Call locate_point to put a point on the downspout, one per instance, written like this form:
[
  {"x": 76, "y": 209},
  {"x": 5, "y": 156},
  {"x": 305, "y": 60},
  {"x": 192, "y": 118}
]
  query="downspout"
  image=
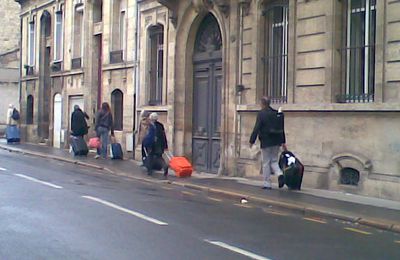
[
  {"x": 136, "y": 80},
  {"x": 20, "y": 65}
]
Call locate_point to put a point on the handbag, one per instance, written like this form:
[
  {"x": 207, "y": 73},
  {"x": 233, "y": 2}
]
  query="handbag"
[{"x": 94, "y": 143}]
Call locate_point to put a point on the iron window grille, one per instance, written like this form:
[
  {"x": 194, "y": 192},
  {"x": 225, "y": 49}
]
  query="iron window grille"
[
  {"x": 275, "y": 59},
  {"x": 358, "y": 55}
]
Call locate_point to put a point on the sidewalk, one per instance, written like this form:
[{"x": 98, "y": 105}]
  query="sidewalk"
[{"x": 378, "y": 213}]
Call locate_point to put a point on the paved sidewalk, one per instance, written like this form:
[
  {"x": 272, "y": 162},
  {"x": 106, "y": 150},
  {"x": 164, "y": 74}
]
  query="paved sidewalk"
[{"x": 379, "y": 213}]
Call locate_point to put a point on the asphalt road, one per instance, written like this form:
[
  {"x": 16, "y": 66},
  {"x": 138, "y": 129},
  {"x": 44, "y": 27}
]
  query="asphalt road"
[{"x": 53, "y": 210}]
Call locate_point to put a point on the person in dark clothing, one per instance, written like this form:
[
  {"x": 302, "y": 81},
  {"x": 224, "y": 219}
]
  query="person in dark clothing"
[
  {"x": 79, "y": 125},
  {"x": 269, "y": 128},
  {"x": 104, "y": 125},
  {"x": 156, "y": 143}
]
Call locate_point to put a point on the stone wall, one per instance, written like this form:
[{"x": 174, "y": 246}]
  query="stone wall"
[{"x": 9, "y": 19}]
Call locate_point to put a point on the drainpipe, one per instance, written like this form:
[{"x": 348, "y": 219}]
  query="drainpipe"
[
  {"x": 136, "y": 80},
  {"x": 20, "y": 65}
]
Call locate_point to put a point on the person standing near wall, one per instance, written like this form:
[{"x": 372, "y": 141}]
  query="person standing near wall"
[
  {"x": 269, "y": 128},
  {"x": 12, "y": 115},
  {"x": 104, "y": 125}
]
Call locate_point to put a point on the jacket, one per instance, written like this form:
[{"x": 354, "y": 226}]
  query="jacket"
[
  {"x": 160, "y": 143},
  {"x": 149, "y": 139},
  {"x": 105, "y": 119},
  {"x": 79, "y": 125},
  {"x": 262, "y": 129}
]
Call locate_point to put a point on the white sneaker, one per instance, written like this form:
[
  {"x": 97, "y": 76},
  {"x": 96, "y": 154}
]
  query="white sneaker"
[{"x": 97, "y": 156}]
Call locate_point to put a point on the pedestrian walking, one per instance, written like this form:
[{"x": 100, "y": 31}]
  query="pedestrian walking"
[
  {"x": 13, "y": 116},
  {"x": 142, "y": 131},
  {"x": 270, "y": 130},
  {"x": 104, "y": 125},
  {"x": 154, "y": 145},
  {"x": 79, "y": 126}
]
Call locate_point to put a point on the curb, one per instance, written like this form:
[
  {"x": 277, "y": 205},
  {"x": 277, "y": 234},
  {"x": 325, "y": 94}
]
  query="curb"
[{"x": 305, "y": 210}]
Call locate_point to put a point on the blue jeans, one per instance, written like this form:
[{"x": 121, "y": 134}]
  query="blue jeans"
[{"x": 102, "y": 132}]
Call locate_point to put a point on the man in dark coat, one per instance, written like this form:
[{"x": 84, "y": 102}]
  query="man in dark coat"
[
  {"x": 79, "y": 125},
  {"x": 269, "y": 128},
  {"x": 156, "y": 134}
]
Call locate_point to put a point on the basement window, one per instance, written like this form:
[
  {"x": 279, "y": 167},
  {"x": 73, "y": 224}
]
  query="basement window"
[{"x": 349, "y": 176}]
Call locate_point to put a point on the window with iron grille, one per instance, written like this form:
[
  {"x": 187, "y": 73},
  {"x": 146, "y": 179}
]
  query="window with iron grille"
[
  {"x": 276, "y": 18},
  {"x": 117, "y": 106},
  {"x": 156, "y": 65},
  {"x": 359, "y": 52}
]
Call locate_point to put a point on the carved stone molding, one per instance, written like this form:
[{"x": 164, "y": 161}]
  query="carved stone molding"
[
  {"x": 245, "y": 5},
  {"x": 206, "y": 5},
  {"x": 172, "y": 6},
  {"x": 202, "y": 5}
]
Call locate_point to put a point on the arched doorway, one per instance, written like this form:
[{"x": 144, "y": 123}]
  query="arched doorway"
[
  {"x": 207, "y": 84},
  {"x": 57, "y": 120},
  {"x": 44, "y": 76}
]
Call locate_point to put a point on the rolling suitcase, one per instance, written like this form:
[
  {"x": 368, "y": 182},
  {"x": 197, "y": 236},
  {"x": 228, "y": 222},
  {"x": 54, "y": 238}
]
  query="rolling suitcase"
[
  {"x": 79, "y": 146},
  {"x": 12, "y": 134},
  {"x": 293, "y": 170},
  {"x": 116, "y": 151},
  {"x": 181, "y": 166}
]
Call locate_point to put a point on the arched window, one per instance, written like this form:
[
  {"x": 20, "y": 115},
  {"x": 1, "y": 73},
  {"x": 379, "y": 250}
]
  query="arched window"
[
  {"x": 156, "y": 64},
  {"x": 117, "y": 106},
  {"x": 29, "y": 110}
]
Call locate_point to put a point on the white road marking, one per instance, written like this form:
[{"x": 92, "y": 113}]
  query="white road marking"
[
  {"x": 133, "y": 213},
  {"x": 237, "y": 250},
  {"x": 3, "y": 169},
  {"x": 39, "y": 181}
]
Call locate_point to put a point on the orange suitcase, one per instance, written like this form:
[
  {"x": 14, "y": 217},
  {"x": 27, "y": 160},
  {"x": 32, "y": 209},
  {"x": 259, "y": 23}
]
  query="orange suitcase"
[{"x": 181, "y": 166}]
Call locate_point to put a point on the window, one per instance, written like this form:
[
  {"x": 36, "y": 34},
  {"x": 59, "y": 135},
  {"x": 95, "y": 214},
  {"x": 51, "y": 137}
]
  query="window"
[
  {"x": 58, "y": 39},
  {"x": 349, "y": 176},
  {"x": 118, "y": 25},
  {"x": 97, "y": 11},
  {"x": 156, "y": 65},
  {"x": 276, "y": 18},
  {"x": 31, "y": 43},
  {"x": 78, "y": 32},
  {"x": 122, "y": 30},
  {"x": 360, "y": 50},
  {"x": 117, "y": 106},
  {"x": 29, "y": 110}
]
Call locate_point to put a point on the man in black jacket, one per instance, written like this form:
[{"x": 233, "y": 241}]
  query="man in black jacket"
[
  {"x": 269, "y": 128},
  {"x": 79, "y": 125}
]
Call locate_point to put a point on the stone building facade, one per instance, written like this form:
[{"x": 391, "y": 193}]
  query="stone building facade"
[
  {"x": 76, "y": 52},
  {"x": 9, "y": 58},
  {"x": 332, "y": 65}
]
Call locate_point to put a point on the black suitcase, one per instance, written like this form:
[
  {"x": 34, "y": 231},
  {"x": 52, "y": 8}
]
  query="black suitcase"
[
  {"x": 293, "y": 173},
  {"x": 79, "y": 146},
  {"x": 116, "y": 152}
]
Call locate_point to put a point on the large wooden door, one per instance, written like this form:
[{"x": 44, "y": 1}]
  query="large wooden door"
[{"x": 207, "y": 67}]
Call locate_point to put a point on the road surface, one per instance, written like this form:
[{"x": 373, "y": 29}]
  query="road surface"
[{"x": 54, "y": 210}]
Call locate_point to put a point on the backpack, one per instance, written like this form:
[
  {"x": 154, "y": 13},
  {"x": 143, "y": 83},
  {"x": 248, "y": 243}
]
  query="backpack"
[
  {"x": 15, "y": 115},
  {"x": 276, "y": 124}
]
